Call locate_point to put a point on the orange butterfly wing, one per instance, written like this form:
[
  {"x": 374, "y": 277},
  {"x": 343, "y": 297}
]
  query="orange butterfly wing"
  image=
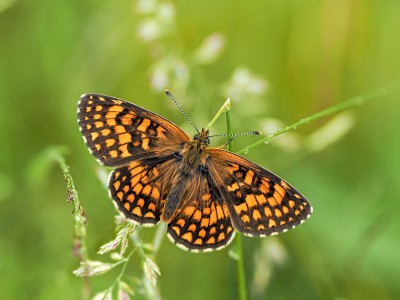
[
  {"x": 137, "y": 191},
  {"x": 260, "y": 203},
  {"x": 118, "y": 132}
]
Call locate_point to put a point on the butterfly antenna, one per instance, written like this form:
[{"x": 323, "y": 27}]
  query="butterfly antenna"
[
  {"x": 180, "y": 108},
  {"x": 237, "y": 134}
]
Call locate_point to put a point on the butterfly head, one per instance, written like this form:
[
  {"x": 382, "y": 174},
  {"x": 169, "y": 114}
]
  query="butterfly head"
[{"x": 201, "y": 139}]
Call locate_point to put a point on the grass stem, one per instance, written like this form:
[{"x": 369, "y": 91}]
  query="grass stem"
[{"x": 352, "y": 102}]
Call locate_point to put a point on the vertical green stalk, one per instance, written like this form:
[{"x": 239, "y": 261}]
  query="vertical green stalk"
[
  {"x": 239, "y": 252},
  {"x": 80, "y": 216},
  {"x": 80, "y": 221}
]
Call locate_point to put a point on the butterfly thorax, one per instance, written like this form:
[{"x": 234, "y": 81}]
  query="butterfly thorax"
[{"x": 194, "y": 153}]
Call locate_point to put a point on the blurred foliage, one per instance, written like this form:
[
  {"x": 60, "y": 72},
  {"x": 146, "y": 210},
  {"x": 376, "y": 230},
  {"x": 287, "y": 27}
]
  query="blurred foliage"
[{"x": 279, "y": 61}]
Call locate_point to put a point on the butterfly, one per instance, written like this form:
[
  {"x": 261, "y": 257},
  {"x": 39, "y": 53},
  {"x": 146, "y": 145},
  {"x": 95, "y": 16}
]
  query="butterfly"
[{"x": 203, "y": 194}]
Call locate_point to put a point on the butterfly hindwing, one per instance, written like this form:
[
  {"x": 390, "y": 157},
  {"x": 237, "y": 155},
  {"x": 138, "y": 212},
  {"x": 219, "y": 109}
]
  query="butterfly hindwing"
[
  {"x": 203, "y": 224},
  {"x": 260, "y": 203},
  {"x": 134, "y": 195},
  {"x": 118, "y": 132},
  {"x": 140, "y": 188}
]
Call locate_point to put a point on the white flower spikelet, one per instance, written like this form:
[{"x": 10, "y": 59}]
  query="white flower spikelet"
[
  {"x": 151, "y": 271},
  {"x": 210, "y": 49},
  {"x": 244, "y": 83},
  {"x": 104, "y": 295},
  {"x": 92, "y": 268},
  {"x": 149, "y": 30}
]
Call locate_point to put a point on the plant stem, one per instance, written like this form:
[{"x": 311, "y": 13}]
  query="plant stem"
[
  {"x": 357, "y": 100},
  {"x": 224, "y": 108},
  {"x": 125, "y": 262},
  {"x": 240, "y": 263},
  {"x": 80, "y": 221},
  {"x": 80, "y": 216}
]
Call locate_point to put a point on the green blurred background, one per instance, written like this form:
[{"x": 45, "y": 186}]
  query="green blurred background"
[{"x": 279, "y": 61}]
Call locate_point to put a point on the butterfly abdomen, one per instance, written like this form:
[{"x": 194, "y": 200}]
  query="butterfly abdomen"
[
  {"x": 178, "y": 190},
  {"x": 192, "y": 163}
]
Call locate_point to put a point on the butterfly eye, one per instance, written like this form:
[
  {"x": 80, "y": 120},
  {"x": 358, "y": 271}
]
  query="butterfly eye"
[
  {"x": 177, "y": 155},
  {"x": 196, "y": 136},
  {"x": 203, "y": 170},
  {"x": 207, "y": 141}
]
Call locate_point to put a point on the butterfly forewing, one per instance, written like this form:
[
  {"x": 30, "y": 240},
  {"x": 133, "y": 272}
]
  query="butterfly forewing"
[{"x": 118, "y": 132}]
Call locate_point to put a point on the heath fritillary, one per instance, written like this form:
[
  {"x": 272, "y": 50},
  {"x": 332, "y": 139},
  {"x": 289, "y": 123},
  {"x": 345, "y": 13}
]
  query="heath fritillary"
[{"x": 203, "y": 194}]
